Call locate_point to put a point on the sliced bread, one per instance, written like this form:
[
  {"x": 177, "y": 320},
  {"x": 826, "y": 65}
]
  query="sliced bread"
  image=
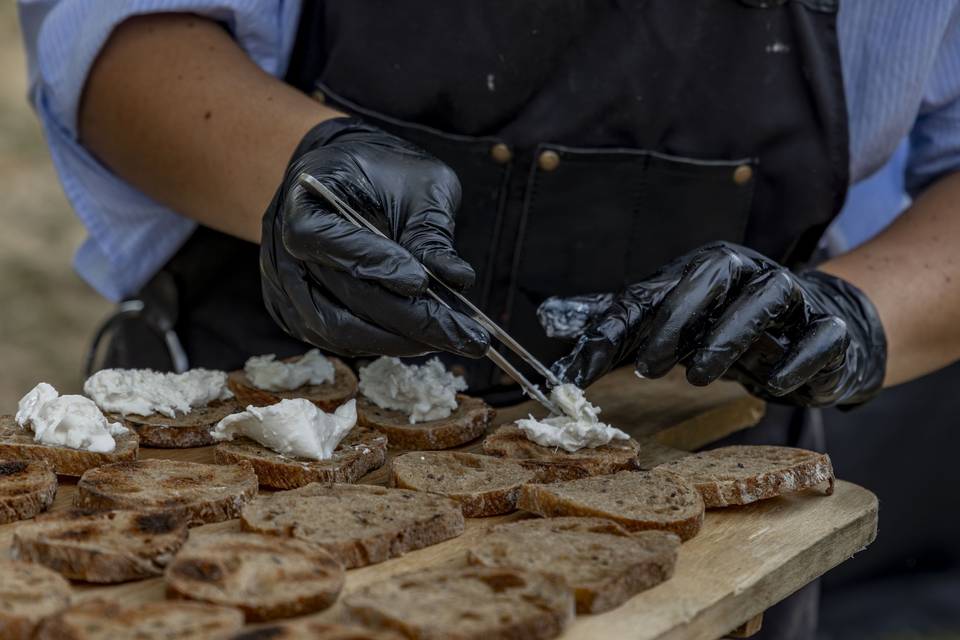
[
  {"x": 266, "y": 577},
  {"x": 361, "y": 451},
  {"x": 743, "y": 474},
  {"x": 468, "y": 422},
  {"x": 475, "y": 603},
  {"x": 182, "y": 431},
  {"x": 310, "y": 629},
  {"x": 26, "y": 489},
  {"x": 557, "y": 465},
  {"x": 101, "y": 546},
  {"x": 637, "y": 500},
  {"x": 18, "y": 444},
  {"x": 327, "y": 396},
  {"x": 358, "y": 524},
  {"x": 603, "y": 563},
  {"x": 482, "y": 485},
  {"x": 198, "y": 492},
  {"x": 29, "y": 593},
  {"x": 99, "y": 620}
]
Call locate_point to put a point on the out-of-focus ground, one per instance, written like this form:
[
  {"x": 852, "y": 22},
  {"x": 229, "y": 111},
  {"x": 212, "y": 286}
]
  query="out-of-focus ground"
[{"x": 47, "y": 312}]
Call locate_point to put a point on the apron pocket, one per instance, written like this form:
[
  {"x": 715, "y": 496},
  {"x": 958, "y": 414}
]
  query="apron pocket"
[
  {"x": 597, "y": 219},
  {"x": 685, "y": 203}
]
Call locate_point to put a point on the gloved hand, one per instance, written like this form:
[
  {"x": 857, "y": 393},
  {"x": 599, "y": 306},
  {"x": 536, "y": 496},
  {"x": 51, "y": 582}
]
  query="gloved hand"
[
  {"x": 345, "y": 289},
  {"x": 724, "y": 310}
]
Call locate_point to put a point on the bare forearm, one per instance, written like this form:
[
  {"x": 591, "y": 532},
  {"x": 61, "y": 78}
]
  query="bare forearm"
[
  {"x": 175, "y": 107},
  {"x": 911, "y": 272}
]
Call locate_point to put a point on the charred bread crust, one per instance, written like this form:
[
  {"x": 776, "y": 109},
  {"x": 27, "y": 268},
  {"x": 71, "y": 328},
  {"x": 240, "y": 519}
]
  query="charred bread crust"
[
  {"x": 27, "y": 487},
  {"x": 266, "y": 577},
  {"x": 359, "y": 524},
  {"x": 482, "y": 485},
  {"x": 468, "y": 422},
  {"x": 361, "y": 451},
  {"x": 636, "y": 500},
  {"x": 471, "y": 602},
  {"x": 327, "y": 396},
  {"x": 182, "y": 431},
  {"x": 557, "y": 465},
  {"x": 603, "y": 563},
  {"x": 743, "y": 474},
  {"x": 200, "y": 493},
  {"x": 17, "y": 444},
  {"x": 101, "y": 546}
]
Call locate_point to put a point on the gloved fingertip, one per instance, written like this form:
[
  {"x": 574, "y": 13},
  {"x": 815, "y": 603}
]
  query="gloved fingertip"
[
  {"x": 650, "y": 370},
  {"x": 475, "y": 344},
  {"x": 698, "y": 377},
  {"x": 454, "y": 271},
  {"x": 701, "y": 371},
  {"x": 408, "y": 282}
]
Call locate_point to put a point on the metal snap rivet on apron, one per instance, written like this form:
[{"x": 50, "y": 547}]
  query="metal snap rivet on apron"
[
  {"x": 319, "y": 96},
  {"x": 501, "y": 153},
  {"x": 743, "y": 174},
  {"x": 548, "y": 160}
]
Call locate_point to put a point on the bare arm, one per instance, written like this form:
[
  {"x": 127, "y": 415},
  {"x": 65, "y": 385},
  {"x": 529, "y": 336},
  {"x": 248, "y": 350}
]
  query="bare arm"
[
  {"x": 911, "y": 272},
  {"x": 176, "y": 108}
]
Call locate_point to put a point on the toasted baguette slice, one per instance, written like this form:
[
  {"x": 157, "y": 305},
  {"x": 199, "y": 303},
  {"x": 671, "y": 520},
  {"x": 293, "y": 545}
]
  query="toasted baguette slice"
[
  {"x": 26, "y": 489},
  {"x": 475, "y": 603},
  {"x": 327, "y": 396},
  {"x": 99, "y": 620},
  {"x": 744, "y": 474},
  {"x": 311, "y": 629},
  {"x": 180, "y": 432},
  {"x": 101, "y": 546},
  {"x": 358, "y": 524},
  {"x": 266, "y": 577},
  {"x": 557, "y": 465},
  {"x": 637, "y": 500},
  {"x": 603, "y": 563},
  {"x": 482, "y": 485},
  {"x": 197, "y": 492},
  {"x": 28, "y": 594},
  {"x": 361, "y": 451},
  {"x": 18, "y": 444},
  {"x": 468, "y": 422}
]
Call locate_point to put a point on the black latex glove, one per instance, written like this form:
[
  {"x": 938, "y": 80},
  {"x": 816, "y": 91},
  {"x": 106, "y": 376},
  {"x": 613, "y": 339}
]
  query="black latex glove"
[
  {"x": 345, "y": 289},
  {"x": 724, "y": 310}
]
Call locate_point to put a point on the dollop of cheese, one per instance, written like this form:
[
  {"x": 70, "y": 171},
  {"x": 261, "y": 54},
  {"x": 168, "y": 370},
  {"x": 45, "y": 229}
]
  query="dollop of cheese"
[
  {"x": 424, "y": 392},
  {"x": 268, "y": 373},
  {"x": 580, "y": 426},
  {"x": 66, "y": 421},
  {"x": 145, "y": 392},
  {"x": 296, "y": 428}
]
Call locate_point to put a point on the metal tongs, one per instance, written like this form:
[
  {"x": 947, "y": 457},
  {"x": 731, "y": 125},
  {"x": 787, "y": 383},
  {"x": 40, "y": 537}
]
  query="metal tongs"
[{"x": 317, "y": 188}]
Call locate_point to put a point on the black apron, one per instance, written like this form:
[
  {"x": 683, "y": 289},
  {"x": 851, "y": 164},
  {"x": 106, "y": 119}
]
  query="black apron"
[{"x": 594, "y": 141}]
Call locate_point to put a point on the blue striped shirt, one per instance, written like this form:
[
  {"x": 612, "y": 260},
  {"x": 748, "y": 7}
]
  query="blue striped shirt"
[{"x": 901, "y": 69}]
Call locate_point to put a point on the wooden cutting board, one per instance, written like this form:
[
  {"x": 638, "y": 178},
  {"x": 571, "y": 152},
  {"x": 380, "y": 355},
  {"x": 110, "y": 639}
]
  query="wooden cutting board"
[{"x": 743, "y": 561}]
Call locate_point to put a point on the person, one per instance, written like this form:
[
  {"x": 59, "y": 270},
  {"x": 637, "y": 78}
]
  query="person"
[{"x": 684, "y": 157}]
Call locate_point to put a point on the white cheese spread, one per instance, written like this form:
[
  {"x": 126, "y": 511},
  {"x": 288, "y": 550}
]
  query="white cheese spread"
[
  {"x": 270, "y": 374},
  {"x": 296, "y": 428},
  {"x": 423, "y": 392},
  {"x": 580, "y": 426},
  {"x": 66, "y": 421},
  {"x": 146, "y": 392}
]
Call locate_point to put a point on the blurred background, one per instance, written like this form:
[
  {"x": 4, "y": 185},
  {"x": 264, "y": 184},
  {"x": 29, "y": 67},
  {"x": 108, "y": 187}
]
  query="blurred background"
[{"x": 48, "y": 313}]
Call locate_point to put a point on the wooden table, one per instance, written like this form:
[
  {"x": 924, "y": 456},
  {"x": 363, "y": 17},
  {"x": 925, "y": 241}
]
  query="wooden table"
[{"x": 744, "y": 560}]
